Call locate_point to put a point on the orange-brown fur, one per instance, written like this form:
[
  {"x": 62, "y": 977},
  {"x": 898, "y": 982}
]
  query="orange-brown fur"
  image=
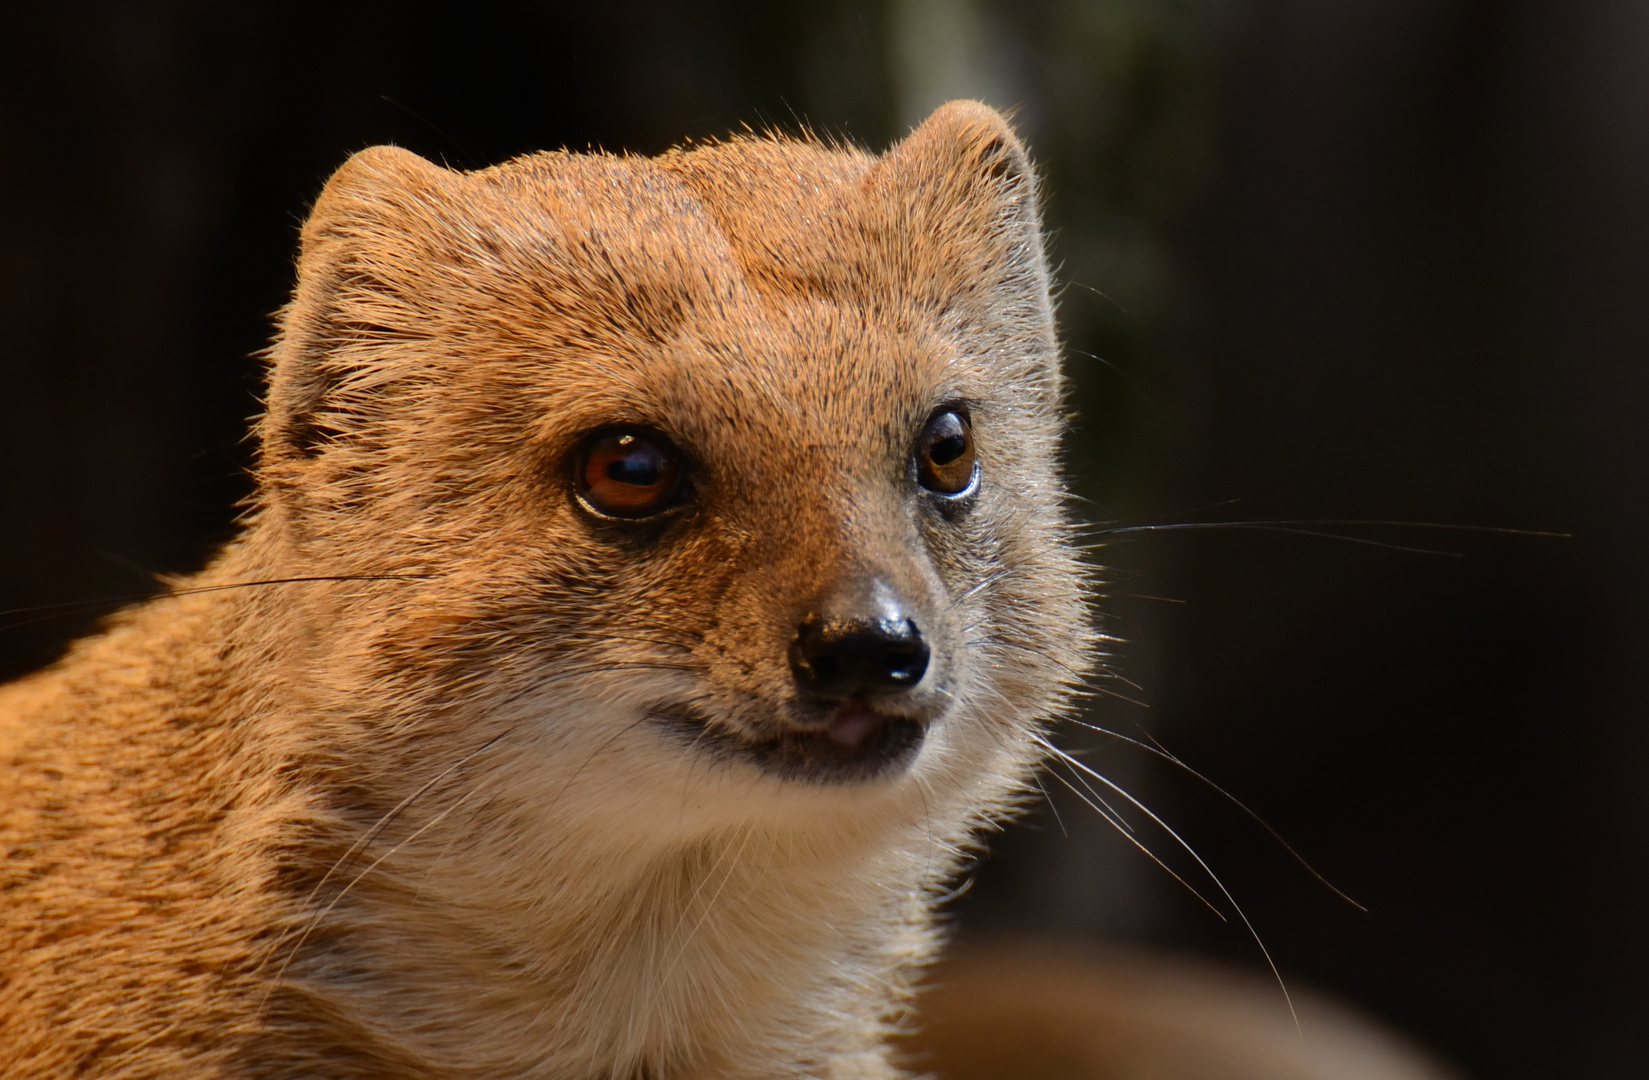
[{"x": 399, "y": 812}]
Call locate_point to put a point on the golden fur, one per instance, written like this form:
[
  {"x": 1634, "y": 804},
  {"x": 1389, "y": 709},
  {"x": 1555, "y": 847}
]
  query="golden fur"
[{"x": 401, "y": 812}]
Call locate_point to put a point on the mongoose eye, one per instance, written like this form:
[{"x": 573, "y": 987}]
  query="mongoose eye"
[
  {"x": 944, "y": 454},
  {"x": 627, "y": 474}
]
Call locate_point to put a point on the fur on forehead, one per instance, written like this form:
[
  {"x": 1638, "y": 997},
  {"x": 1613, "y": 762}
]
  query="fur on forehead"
[{"x": 417, "y": 282}]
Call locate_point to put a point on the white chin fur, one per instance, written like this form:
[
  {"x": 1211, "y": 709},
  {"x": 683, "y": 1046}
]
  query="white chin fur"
[{"x": 599, "y": 761}]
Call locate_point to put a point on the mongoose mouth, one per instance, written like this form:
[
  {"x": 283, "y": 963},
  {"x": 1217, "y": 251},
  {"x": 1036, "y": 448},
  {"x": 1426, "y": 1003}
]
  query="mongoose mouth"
[{"x": 852, "y": 743}]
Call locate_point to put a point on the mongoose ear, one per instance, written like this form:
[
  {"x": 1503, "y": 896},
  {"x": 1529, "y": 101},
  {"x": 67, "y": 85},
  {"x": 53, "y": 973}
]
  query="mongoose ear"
[
  {"x": 963, "y": 176},
  {"x": 364, "y": 254},
  {"x": 967, "y": 146},
  {"x": 965, "y": 191}
]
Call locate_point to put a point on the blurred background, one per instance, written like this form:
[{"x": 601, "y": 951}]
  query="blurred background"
[{"x": 1321, "y": 259}]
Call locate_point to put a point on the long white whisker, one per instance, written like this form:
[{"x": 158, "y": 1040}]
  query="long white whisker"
[
  {"x": 710, "y": 905},
  {"x": 1068, "y": 758},
  {"x": 1159, "y": 751},
  {"x": 1127, "y": 834},
  {"x": 358, "y": 878},
  {"x": 1049, "y": 799},
  {"x": 361, "y": 844},
  {"x": 1189, "y": 850}
]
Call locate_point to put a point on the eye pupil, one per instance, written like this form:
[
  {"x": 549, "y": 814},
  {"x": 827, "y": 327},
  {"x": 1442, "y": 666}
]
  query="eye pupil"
[
  {"x": 948, "y": 450},
  {"x": 945, "y": 454},
  {"x": 636, "y": 471}
]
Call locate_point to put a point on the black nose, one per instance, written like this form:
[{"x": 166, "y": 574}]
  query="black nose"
[{"x": 839, "y": 657}]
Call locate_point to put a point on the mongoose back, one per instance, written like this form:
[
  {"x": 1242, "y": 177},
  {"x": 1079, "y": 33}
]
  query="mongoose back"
[{"x": 657, "y": 574}]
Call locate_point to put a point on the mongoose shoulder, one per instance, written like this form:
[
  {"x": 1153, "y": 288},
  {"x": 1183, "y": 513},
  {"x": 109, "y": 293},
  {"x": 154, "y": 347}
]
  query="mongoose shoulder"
[{"x": 657, "y": 574}]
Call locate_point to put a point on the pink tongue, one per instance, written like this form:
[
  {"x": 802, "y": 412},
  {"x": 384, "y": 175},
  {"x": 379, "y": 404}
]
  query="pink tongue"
[{"x": 852, "y": 725}]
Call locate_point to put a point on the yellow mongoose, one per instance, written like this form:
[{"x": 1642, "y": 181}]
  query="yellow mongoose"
[{"x": 657, "y": 573}]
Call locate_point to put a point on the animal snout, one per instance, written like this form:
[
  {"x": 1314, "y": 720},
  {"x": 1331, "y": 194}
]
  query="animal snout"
[{"x": 839, "y": 657}]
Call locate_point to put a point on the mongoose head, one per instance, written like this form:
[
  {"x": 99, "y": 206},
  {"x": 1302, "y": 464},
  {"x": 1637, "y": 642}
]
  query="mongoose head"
[{"x": 728, "y": 477}]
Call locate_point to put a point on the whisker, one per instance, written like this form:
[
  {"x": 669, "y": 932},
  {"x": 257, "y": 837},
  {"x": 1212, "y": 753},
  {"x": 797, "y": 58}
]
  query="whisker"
[
  {"x": 988, "y": 580},
  {"x": 1243, "y": 526},
  {"x": 1093, "y": 688},
  {"x": 1111, "y": 673},
  {"x": 1313, "y": 527},
  {"x": 1036, "y": 778},
  {"x": 74, "y": 607},
  {"x": 1109, "y": 812},
  {"x": 692, "y": 755},
  {"x": 1123, "y": 375},
  {"x": 1189, "y": 850},
  {"x": 1102, "y": 296},
  {"x": 64, "y": 611},
  {"x": 1379, "y": 523},
  {"x": 1157, "y": 750},
  {"x": 710, "y": 906},
  {"x": 928, "y": 875},
  {"x": 359, "y": 845},
  {"x": 358, "y": 878},
  {"x": 1126, "y": 833},
  {"x": 614, "y": 737}
]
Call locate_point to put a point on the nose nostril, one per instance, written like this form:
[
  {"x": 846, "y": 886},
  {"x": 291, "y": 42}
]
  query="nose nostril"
[
  {"x": 905, "y": 664},
  {"x": 823, "y": 667},
  {"x": 837, "y": 658}
]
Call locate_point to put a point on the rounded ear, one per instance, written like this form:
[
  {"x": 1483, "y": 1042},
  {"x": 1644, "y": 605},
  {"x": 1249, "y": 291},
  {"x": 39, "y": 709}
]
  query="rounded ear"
[
  {"x": 357, "y": 270},
  {"x": 972, "y": 146},
  {"x": 963, "y": 192}
]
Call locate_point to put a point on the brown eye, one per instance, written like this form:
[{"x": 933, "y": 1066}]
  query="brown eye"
[
  {"x": 627, "y": 474},
  {"x": 944, "y": 454}
]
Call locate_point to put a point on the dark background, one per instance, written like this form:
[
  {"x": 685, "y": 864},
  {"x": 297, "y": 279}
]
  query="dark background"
[{"x": 1359, "y": 259}]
